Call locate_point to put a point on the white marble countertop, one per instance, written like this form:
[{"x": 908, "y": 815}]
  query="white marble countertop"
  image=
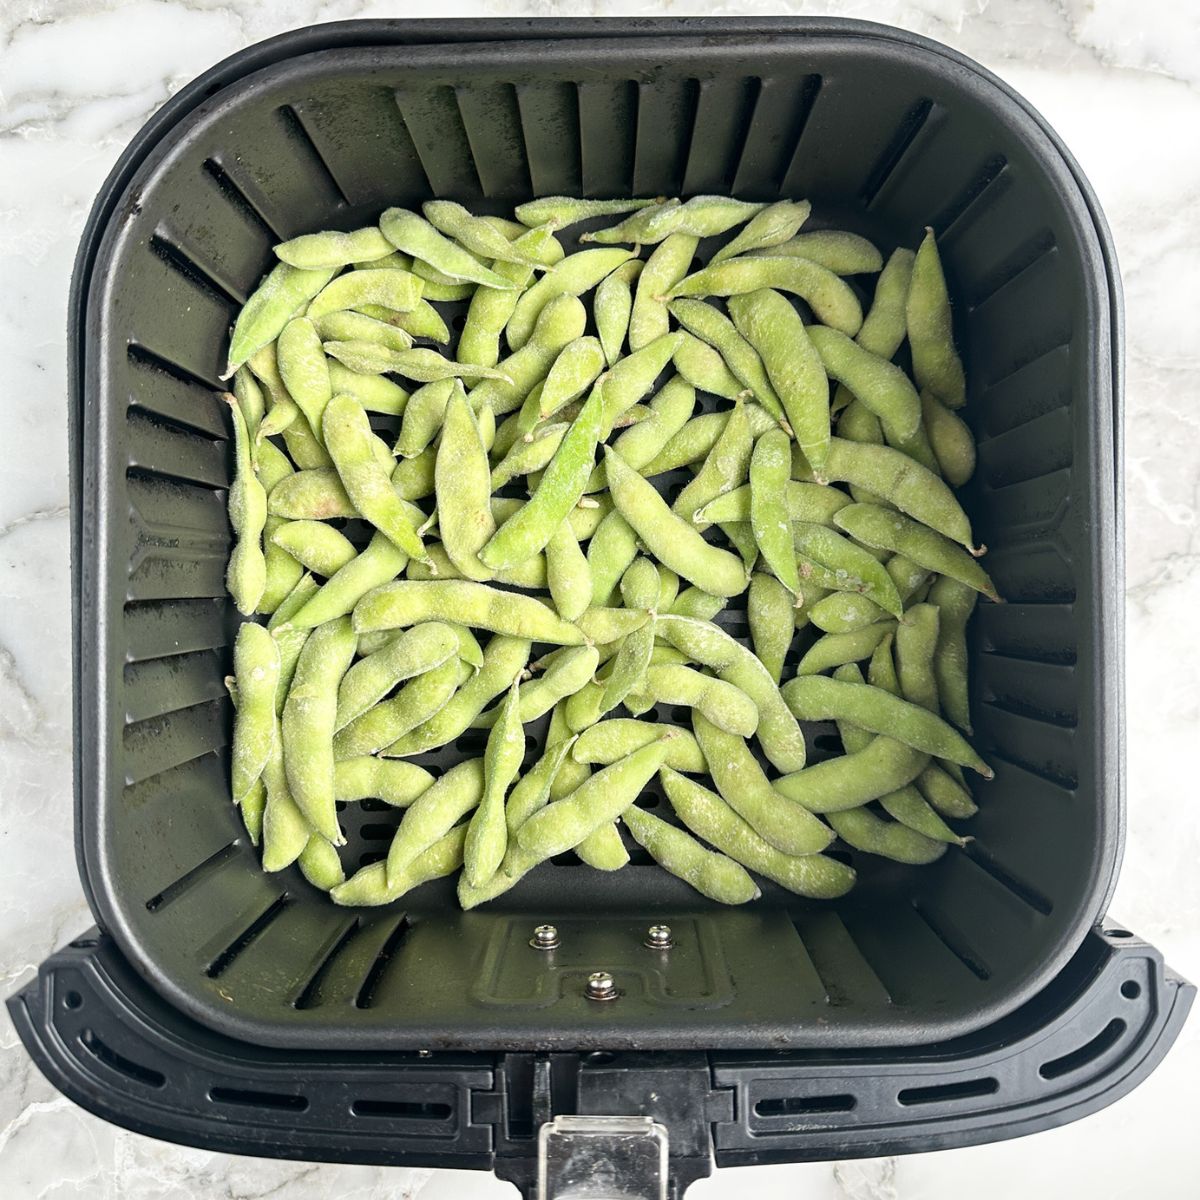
[{"x": 1120, "y": 80}]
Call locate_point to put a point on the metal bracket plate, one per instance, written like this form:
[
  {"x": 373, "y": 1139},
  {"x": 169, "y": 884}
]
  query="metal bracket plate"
[{"x": 602, "y": 1158}]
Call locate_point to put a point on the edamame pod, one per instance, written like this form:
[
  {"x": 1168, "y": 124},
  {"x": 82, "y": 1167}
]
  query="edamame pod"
[
  {"x": 955, "y": 602},
  {"x": 273, "y": 303},
  {"x": 372, "y": 885},
  {"x": 664, "y": 268},
  {"x": 256, "y": 670},
  {"x": 773, "y": 226},
  {"x": 367, "y": 777},
  {"x": 770, "y": 466},
  {"x": 836, "y": 250},
  {"x": 412, "y": 234},
  {"x": 462, "y": 485},
  {"x": 332, "y": 249},
  {"x": 246, "y": 574},
  {"x": 487, "y": 834},
  {"x": 712, "y": 874},
  {"x": 769, "y": 608},
  {"x": 608, "y": 741},
  {"x": 846, "y": 782},
  {"x": 936, "y": 364},
  {"x": 576, "y": 274},
  {"x": 612, "y": 306},
  {"x": 314, "y": 545}
]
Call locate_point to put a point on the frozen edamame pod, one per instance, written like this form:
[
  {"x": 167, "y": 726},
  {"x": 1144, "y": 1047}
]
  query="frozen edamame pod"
[
  {"x": 851, "y": 780},
  {"x": 610, "y": 551},
  {"x": 816, "y": 698},
  {"x": 372, "y": 885},
  {"x": 950, "y": 439},
  {"x": 726, "y": 706},
  {"x": 576, "y": 368},
  {"x": 562, "y": 211},
  {"x": 625, "y": 383},
  {"x": 304, "y": 369},
  {"x": 568, "y": 670},
  {"x": 915, "y": 639},
  {"x": 773, "y": 327},
  {"x": 269, "y": 309},
  {"x": 379, "y": 562},
  {"x": 412, "y": 234},
  {"x": 423, "y": 416},
  {"x": 710, "y": 818},
  {"x": 769, "y": 469},
  {"x": 812, "y": 502},
  {"x": 315, "y": 546},
  {"x": 745, "y": 788},
  {"x": 367, "y": 483},
  {"x": 774, "y": 225},
  {"x": 285, "y": 829},
  {"x": 600, "y": 799},
  {"x": 320, "y": 865},
  {"x": 568, "y": 575},
  {"x": 664, "y": 268},
  {"x": 845, "y": 612},
  {"x": 726, "y": 466},
  {"x": 701, "y": 216},
  {"x": 256, "y": 670},
  {"x": 366, "y": 777},
  {"x": 670, "y": 539},
  {"x": 836, "y": 250},
  {"x": 398, "y": 291},
  {"x": 936, "y": 364},
  {"x": 473, "y": 233},
  {"x": 531, "y": 454},
  {"x": 834, "y": 649},
  {"x": 246, "y": 574},
  {"x": 309, "y": 715},
  {"x": 955, "y": 602},
  {"x": 712, "y": 874},
  {"x": 853, "y": 568},
  {"x": 603, "y": 849},
  {"x": 435, "y": 813},
  {"x": 863, "y": 830},
  {"x": 487, "y": 834},
  {"x": 608, "y": 741},
  {"x": 612, "y": 306},
  {"x": 332, "y": 249},
  {"x": 830, "y": 298},
  {"x": 531, "y": 574},
  {"x": 419, "y": 363},
  {"x": 373, "y": 392},
  {"x": 576, "y": 274},
  {"x": 769, "y": 610},
  {"x": 885, "y": 530},
  {"x": 704, "y": 368}
]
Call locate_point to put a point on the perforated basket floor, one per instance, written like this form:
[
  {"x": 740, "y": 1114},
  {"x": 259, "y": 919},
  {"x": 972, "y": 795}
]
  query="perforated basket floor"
[{"x": 885, "y": 135}]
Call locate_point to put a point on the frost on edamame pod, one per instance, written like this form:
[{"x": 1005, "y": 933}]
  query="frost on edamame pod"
[
  {"x": 576, "y": 274},
  {"x": 304, "y": 369},
  {"x": 950, "y": 438},
  {"x": 701, "y": 216},
  {"x": 710, "y": 818},
  {"x": 665, "y": 267},
  {"x": 412, "y": 234},
  {"x": 915, "y": 639},
  {"x": 862, "y": 830},
  {"x": 562, "y": 211},
  {"x": 576, "y": 368},
  {"x": 816, "y": 698},
  {"x": 568, "y": 575},
  {"x": 315, "y": 546},
  {"x": 955, "y": 602},
  {"x": 770, "y": 466},
  {"x": 769, "y": 608},
  {"x": 804, "y": 502},
  {"x": 834, "y": 649},
  {"x": 269, "y": 309},
  {"x": 670, "y": 539},
  {"x": 612, "y": 306},
  {"x": 568, "y": 670},
  {"x": 884, "y": 327},
  {"x": 704, "y": 368},
  {"x": 419, "y": 363},
  {"x": 712, "y": 874},
  {"x": 309, "y": 715},
  {"x": 845, "y": 612},
  {"x": 530, "y": 455},
  {"x": 423, "y": 416},
  {"x": 854, "y": 779},
  {"x": 397, "y": 291},
  {"x": 831, "y": 299},
  {"x": 608, "y": 741},
  {"x": 624, "y": 384},
  {"x": 320, "y": 865},
  {"x": 726, "y": 706},
  {"x": 285, "y": 829},
  {"x": 380, "y": 561},
  {"x": 435, "y": 813},
  {"x": 726, "y": 466},
  {"x": 836, "y": 250},
  {"x": 373, "y": 392},
  {"x": 372, "y": 884},
  {"x": 852, "y": 568},
  {"x": 473, "y": 233}
]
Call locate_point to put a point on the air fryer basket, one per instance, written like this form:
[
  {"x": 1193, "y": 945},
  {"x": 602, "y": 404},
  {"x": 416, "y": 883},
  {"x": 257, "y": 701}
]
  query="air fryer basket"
[{"x": 884, "y": 135}]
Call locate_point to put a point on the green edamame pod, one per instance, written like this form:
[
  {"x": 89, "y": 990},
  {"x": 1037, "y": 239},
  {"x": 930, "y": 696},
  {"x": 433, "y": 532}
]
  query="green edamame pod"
[
  {"x": 417, "y": 702},
  {"x": 816, "y": 698},
  {"x": 712, "y": 874},
  {"x": 561, "y": 211},
  {"x": 283, "y": 572},
  {"x": 950, "y": 438},
  {"x": 603, "y": 849},
  {"x": 250, "y": 400},
  {"x": 246, "y": 574},
  {"x": 945, "y": 793},
  {"x": 307, "y": 727},
  {"x": 556, "y": 494},
  {"x": 315, "y": 546},
  {"x": 858, "y": 423},
  {"x": 881, "y": 672},
  {"x": 725, "y": 705},
  {"x": 769, "y": 469},
  {"x": 834, "y": 649},
  {"x": 608, "y": 741},
  {"x": 435, "y": 812},
  {"x": 726, "y": 466},
  {"x": 373, "y": 392},
  {"x": 836, "y": 250},
  {"x": 696, "y": 602},
  {"x": 412, "y": 234},
  {"x": 884, "y": 327},
  {"x": 407, "y": 602},
  {"x": 388, "y": 288},
  {"x": 599, "y": 800},
  {"x": 288, "y": 637},
  {"x": 769, "y": 608},
  {"x": 845, "y": 612},
  {"x": 741, "y": 782},
  {"x": 530, "y": 455},
  {"x": 423, "y": 416},
  {"x": 885, "y": 530},
  {"x": 331, "y": 250},
  {"x": 422, "y": 320},
  {"x": 503, "y": 660},
  {"x": 462, "y": 486},
  {"x": 863, "y": 830},
  {"x": 813, "y": 502},
  {"x": 832, "y": 301},
  {"x": 285, "y": 829},
  {"x": 256, "y": 670},
  {"x": 473, "y": 233},
  {"x": 372, "y": 885},
  {"x": 853, "y": 567},
  {"x": 612, "y": 306},
  {"x": 664, "y": 268},
  {"x": 269, "y": 309},
  {"x": 936, "y": 364},
  {"x": 916, "y": 637},
  {"x": 697, "y": 437},
  {"x": 576, "y": 368},
  {"x": 413, "y": 652},
  {"x": 252, "y": 807},
  {"x": 955, "y": 602},
  {"x": 710, "y": 818},
  {"x": 773, "y": 327},
  {"x": 568, "y": 575},
  {"x": 566, "y": 672},
  {"x": 625, "y": 383},
  {"x": 367, "y": 777},
  {"x": 670, "y": 539},
  {"x": 487, "y": 834},
  {"x": 612, "y": 548},
  {"x": 773, "y": 226},
  {"x": 320, "y": 865},
  {"x": 304, "y": 369},
  {"x": 378, "y": 562},
  {"x": 670, "y": 410},
  {"x": 778, "y": 733},
  {"x": 838, "y": 784},
  {"x": 704, "y": 368},
  {"x": 701, "y": 216}
]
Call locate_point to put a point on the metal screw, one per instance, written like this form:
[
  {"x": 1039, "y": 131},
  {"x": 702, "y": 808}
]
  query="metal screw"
[
  {"x": 424, "y": 1053},
  {"x": 545, "y": 937},
  {"x": 601, "y": 986},
  {"x": 658, "y": 937}
]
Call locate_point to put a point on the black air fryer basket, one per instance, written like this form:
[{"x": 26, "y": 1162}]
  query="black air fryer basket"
[{"x": 975, "y": 999}]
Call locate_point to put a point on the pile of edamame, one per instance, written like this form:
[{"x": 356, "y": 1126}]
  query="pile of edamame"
[{"x": 527, "y": 558}]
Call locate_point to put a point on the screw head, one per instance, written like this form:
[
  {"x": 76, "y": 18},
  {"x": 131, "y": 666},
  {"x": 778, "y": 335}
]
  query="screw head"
[
  {"x": 424, "y": 1053},
  {"x": 658, "y": 937},
  {"x": 545, "y": 937},
  {"x": 601, "y": 986}
]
